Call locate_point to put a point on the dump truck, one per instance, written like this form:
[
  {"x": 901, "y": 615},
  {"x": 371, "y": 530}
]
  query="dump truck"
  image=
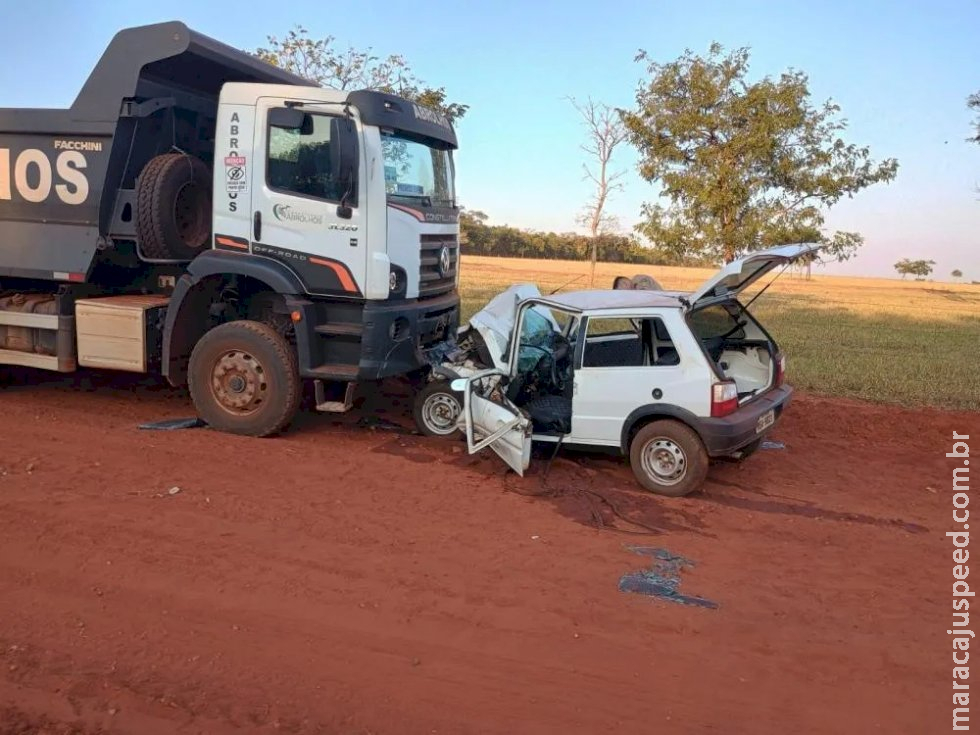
[{"x": 200, "y": 214}]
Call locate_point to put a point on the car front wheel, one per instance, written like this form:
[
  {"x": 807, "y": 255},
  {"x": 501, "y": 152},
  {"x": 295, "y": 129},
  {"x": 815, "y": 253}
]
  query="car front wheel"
[
  {"x": 437, "y": 409},
  {"x": 669, "y": 458}
]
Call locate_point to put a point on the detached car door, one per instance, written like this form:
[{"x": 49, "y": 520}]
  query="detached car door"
[{"x": 493, "y": 421}]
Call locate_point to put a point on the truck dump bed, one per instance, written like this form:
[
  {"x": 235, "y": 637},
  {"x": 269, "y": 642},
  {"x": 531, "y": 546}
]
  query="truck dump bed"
[{"x": 67, "y": 176}]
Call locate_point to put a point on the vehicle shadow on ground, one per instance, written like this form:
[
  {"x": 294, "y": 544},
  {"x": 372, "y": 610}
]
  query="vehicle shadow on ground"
[
  {"x": 597, "y": 490},
  {"x": 83, "y": 380},
  {"x": 590, "y": 488},
  {"x": 759, "y": 501}
]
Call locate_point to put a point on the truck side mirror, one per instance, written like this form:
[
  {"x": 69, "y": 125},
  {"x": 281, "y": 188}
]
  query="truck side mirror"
[{"x": 343, "y": 158}]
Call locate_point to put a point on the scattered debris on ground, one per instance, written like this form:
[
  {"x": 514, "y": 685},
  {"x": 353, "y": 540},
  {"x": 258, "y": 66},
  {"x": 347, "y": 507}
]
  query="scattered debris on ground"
[
  {"x": 662, "y": 579},
  {"x": 173, "y": 424}
]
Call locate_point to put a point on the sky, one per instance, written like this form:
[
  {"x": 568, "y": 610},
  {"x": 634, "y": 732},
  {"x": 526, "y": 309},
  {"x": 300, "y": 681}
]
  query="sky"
[{"x": 900, "y": 70}]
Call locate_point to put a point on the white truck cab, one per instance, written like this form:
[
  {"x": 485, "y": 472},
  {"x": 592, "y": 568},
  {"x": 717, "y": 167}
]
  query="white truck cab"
[
  {"x": 204, "y": 215},
  {"x": 671, "y": 379}
]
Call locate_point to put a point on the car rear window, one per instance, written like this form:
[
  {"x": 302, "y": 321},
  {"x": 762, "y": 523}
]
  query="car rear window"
[{"x": 714, "y": 321}]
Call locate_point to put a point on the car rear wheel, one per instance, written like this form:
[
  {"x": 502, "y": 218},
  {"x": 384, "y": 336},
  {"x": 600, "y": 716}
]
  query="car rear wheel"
[{"x": 669, "y": 458}]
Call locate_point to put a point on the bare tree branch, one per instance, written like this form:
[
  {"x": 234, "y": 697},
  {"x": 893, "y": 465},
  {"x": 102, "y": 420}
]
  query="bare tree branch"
[{"x": 604, "y": 132}]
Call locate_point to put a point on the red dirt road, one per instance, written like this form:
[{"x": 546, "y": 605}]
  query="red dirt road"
[{"x": 347, "y": 578}]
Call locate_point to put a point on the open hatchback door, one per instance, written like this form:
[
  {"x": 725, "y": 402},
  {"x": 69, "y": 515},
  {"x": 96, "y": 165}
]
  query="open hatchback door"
[
  {"x": 743, "y": 272},
  {"x": 494, "y": 421}
]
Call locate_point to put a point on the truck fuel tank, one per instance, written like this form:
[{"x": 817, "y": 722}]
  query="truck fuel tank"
[{"x": 25, "y": 338}]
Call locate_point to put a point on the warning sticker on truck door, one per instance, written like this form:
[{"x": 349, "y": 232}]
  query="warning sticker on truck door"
[{"x": 235, "y": 179}]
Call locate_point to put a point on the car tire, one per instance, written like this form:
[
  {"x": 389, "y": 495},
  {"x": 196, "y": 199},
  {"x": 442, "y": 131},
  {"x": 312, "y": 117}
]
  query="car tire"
[
  {"x": 436, "y": 409},
  {"x": 173, "y": 207},
  {"x": 243, "y": 379},
  {"x": 669, "y": 458}
]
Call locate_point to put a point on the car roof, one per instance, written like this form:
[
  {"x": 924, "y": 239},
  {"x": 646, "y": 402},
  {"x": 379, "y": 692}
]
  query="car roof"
[{"x": 608, "y": 299}]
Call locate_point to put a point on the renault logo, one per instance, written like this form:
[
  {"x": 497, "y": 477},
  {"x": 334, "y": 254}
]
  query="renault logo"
[{"x": 444, "y": 263}]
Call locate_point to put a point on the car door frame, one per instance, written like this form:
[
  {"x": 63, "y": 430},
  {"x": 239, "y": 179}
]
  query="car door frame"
[
  {"x": 511, "y": 438},
  {"x": 685, "y": 366}
]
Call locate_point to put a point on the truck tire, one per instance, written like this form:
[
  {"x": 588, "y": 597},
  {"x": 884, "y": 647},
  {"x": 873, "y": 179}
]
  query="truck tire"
[
  {"x": 669, "y": 458},
  {"x": 173, "y": 207},
  {"x": 244, "y": 380},
  {"x": 436, "y": 408}
]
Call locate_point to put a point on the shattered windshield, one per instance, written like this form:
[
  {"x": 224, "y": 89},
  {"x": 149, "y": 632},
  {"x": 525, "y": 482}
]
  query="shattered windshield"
[{"x": 537, "y": 338}]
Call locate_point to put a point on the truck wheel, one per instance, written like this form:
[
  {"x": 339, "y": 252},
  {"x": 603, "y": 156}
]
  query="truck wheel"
[
  {"x": 436, "y": 409},
  {"x": 173, "y": 207},
  {"x": 244, "y": 380},
  {"x": 669, "y": 458}
]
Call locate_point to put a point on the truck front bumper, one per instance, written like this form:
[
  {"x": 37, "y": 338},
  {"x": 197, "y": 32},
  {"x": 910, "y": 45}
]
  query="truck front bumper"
[
  {"x": 725, "y": 436},
  {"x": 395, "y": 333}
]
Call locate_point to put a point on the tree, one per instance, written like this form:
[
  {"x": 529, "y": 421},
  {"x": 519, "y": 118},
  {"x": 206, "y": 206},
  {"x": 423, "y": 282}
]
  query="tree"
[
  {"x": 320, "y": 61},
  {"x": 957, "y": 274},
  {"x": 742, "y": 164},
  {"x": 604, "y": 130},
  {"x": 920, "y": 268},
  {"x": 973, "y": 102}
]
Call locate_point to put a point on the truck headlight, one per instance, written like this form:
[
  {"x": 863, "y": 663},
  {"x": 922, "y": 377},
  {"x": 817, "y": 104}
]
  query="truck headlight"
[{"x": 397, "y": 282}]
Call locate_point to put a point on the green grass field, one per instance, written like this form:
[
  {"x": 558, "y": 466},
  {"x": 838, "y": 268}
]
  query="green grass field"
[{"x": 891, "y": 341}]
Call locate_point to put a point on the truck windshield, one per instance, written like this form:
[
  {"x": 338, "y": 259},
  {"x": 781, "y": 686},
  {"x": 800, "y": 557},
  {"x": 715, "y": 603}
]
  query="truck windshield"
[{"x": 415, "y": 170}]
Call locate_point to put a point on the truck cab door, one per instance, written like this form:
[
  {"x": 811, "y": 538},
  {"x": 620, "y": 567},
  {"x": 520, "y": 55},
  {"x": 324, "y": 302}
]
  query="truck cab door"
[
  {"x": 497, "y": 424},
  {"x": 309, "y": 194}
]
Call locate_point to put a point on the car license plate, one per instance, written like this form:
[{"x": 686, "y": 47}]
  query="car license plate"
[{"x": 765, "y": 421}]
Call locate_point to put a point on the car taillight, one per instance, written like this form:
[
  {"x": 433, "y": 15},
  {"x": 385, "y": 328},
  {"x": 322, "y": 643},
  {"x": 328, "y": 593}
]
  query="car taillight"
[
  {"x": 724, "y": 399},
  {"x": 780, "y": 369}
]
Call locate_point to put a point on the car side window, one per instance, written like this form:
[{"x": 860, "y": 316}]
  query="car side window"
[
  {"x": 618, "y": 342},
  {"x": 612, "y": 342},
  {"x": 662, "y": 346},
  {"x": 300, "y": 161}
]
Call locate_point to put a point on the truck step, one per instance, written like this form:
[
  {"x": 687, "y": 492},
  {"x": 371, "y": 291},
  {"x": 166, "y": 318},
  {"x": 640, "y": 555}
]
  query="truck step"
[
  {"x": 334, "y": 371},
  {"x": 344, "y": 396},
  {"x": 340, "y": 329}
]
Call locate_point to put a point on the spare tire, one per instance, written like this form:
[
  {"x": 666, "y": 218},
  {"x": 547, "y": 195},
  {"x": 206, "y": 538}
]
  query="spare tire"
[
  {"x": 643, "y": 282},
  {"x": 173, "y": 207}
]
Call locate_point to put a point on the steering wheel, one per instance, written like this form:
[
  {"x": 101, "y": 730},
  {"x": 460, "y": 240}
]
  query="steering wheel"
[{"x": 547, "y": 359}]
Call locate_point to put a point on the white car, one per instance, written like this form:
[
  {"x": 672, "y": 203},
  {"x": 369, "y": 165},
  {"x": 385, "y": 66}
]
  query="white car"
[{"x": 670, "y": 379}]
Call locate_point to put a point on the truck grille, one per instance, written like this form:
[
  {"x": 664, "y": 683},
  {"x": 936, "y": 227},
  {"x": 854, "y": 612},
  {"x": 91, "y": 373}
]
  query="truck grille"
[{"x": 433, "y": 279}]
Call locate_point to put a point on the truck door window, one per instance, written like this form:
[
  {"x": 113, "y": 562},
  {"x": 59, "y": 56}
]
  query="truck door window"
[{"x": 300, "y": 160}]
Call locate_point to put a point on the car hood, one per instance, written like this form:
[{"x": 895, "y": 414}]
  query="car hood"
[
  {"x": 740, "y": 274},
  {"x": 495, "y": 321}
]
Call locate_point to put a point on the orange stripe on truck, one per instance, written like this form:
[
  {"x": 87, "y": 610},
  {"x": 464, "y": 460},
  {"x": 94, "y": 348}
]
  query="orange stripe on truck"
[
  {"x": 231, "y": 243},
  {"x": 345, "y": 280}
]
